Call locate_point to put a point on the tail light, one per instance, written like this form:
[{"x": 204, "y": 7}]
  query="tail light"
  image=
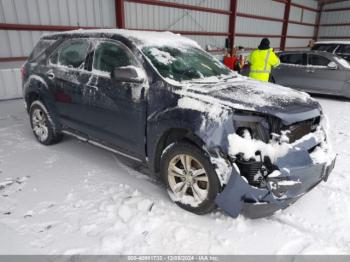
[{"x": 23, "y": 72}]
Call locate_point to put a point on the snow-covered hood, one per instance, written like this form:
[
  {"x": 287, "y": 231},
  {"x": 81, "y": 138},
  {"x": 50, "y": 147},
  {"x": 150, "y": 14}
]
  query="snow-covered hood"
[{"x": 243, "y": 93}]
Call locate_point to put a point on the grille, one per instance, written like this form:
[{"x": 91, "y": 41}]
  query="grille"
[
  {"x": 296, "y": 130},
  {"x": 300, "y": 129},
  {"x": 250, "y": 169}
]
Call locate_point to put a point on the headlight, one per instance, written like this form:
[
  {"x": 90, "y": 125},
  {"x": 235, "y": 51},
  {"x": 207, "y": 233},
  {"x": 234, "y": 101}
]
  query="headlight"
[{"x": 256, "y": 125}]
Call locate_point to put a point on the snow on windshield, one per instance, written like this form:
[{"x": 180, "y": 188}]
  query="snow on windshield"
[
  {"x": 161, "y": 56},
  {"x": 186, "y": 63}
]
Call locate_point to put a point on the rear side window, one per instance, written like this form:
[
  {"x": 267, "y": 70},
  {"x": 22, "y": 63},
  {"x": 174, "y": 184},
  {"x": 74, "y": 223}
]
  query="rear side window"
[
  {"x": 343, "y": 49},
  {"x": 317, "y": 60},
  {"x": 71, "y": 54},
  {"x": 294, "y": 59},
  {"x": 325, "y": 47},
  {"x": 40, "y": 47},
  {"x": 110, "y": 55}
]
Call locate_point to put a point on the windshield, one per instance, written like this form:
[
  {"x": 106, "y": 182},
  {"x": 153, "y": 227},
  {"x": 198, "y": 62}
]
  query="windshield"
[
  {"x": 343, "y": 62},
  {"x": 186, "y": 64}
]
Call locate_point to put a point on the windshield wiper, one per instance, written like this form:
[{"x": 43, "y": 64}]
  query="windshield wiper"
[{"x": 230, "y": 77}]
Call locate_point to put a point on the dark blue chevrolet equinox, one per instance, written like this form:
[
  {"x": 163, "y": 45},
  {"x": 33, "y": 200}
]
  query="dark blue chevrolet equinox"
[{"x": 214, "y": 137}]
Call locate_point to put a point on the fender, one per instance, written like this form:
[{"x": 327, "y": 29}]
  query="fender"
[
  {"x": 212, "y": 133},
  {"x": 36, "y": 84}
]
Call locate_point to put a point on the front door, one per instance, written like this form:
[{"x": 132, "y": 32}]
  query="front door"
[
  {"x": 321, "y": 78},
  {"x": 115, "y": 111},
  {"x": 291, "y": 72}
]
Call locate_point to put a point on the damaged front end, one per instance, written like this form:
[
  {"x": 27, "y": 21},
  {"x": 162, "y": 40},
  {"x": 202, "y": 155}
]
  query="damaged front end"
[{"x": 274, "y": 162}]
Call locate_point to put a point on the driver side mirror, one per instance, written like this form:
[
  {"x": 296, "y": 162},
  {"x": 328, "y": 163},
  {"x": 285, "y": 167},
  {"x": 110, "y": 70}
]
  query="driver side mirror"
[
  {"x": 332, "y": 65},
  {"x": 126, "y": 74}
]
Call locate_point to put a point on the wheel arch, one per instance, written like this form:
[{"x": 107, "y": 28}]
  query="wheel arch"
[
  {"x": 36, "y": 88},
  {"x": 173, "y": 135}
]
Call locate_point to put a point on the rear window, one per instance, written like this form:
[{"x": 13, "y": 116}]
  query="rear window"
[
  {"x": 293, "y": 59},
  {"x": 325, "y": 47},
  {"x": 343, "y": 49},
  {"x": 40, "y": 47}
]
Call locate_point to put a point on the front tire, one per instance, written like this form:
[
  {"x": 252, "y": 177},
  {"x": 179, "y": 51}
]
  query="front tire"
[
  {"x": 190, "y": 177},
  {"x": 42, "y": 123}
]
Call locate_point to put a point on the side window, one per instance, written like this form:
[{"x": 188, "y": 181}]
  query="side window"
[
  {"x": 109, "y": 56},
  {"x": 317, "y": 60},
  {"x": 325, "y": 47},
  {"x": 54, "y": 58},
  {"x": 343, "y": 49},
  {"x": 71, "y": 54},
  {"x": 294, "y": 59},
  {"x": 40, "y": 47}
]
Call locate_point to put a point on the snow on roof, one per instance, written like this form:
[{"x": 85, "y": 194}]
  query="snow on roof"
[
  {"x": 334, "y": 42},
  {"x": 140, "y": 38}
]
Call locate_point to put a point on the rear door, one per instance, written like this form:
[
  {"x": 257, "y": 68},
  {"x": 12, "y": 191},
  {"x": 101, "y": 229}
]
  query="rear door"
[
  {"x": 321, "y": 78},
  {"x": 67, "y": 73},
  {"x": 291, "y": 71}
]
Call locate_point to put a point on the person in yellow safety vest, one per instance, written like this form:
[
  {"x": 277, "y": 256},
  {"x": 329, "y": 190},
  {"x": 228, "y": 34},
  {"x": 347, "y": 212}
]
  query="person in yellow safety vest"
[{"x": 262, "y": 60}]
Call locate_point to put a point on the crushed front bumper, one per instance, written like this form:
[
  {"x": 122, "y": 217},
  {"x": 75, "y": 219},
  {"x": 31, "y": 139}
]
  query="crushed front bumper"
[{"x": 299, "y": 173}]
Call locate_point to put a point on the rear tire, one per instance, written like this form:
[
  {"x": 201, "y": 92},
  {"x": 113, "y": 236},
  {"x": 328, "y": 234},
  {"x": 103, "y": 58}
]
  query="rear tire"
[
  {"x": 190, "y": 177},
  {"x": 43, "y": 125}
]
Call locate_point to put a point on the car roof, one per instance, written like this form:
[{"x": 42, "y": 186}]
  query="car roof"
[
  {"x": 324, "y": 53},
  {"x": 333, "y": 42},
  {"x": 309, "y": 52},
  {"x": 139, "y": 38}
]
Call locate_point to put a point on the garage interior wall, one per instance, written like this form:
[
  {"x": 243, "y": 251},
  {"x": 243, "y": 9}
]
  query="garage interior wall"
[
  {"x": 208, "y": 22},
  {"x": 335, "y": 22}
]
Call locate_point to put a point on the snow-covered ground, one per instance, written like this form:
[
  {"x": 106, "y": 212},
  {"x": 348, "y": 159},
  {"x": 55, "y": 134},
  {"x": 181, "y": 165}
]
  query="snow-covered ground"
[{"x": 75, "y": 198}]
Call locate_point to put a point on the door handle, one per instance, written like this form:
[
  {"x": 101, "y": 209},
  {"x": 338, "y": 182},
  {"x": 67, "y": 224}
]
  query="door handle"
[{"x": 50, "y": 75}]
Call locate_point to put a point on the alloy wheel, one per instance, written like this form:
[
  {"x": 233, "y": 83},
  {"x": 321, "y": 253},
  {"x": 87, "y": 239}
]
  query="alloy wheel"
[
  {"x": 39, "y": 124},
  {"x": 188, "y": 179}
]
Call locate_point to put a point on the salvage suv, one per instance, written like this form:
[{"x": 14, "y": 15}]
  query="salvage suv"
[{"x": 214, "y": 137}]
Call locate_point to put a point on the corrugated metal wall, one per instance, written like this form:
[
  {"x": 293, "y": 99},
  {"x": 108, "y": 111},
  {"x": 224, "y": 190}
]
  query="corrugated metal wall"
[
  {"x": 142, "y": 16},
  {"x": 265, "y": 8},
  {"x": 10, "y": 84},
  {"x": 17, "y": 43},
  {"x": 303, "y": 16},
  {"x": 101, "y": 13},
  {"x": 58, "y": 12},
  {"x": 335, "y": 17}
]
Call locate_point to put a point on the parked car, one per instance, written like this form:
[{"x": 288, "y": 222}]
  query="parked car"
[
  {"x": 213, "y": 136},
  {"x": 340, "y": 48},
  {"x": 314, "y": 72}
]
